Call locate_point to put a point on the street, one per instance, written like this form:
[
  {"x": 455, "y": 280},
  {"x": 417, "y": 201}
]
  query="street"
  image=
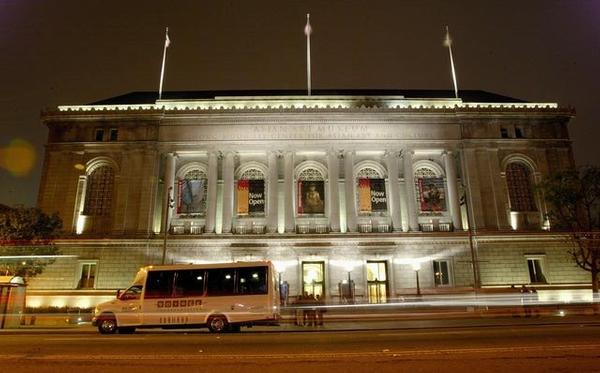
[{"x": 535, "y": 345}]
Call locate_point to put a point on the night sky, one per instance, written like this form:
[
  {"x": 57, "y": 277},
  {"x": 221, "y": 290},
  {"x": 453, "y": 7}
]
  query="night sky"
[{"x": 76, "y": 52}]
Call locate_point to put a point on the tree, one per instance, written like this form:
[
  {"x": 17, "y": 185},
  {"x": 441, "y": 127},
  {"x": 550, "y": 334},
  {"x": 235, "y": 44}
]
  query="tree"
[
  {"x": 574, "y": 198},
  {"x": 26, "y": 236}
]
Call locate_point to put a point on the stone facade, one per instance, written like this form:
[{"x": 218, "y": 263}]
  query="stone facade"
[{"x": 123, "y": 171}]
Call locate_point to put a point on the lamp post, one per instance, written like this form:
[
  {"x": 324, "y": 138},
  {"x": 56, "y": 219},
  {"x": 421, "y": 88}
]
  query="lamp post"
[
  {"x": 474, "y": 258},
  {"x": 417, "y": 266},
  {"x": 168, "y": 205}
]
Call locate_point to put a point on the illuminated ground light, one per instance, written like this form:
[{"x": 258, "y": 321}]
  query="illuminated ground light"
[{"x": 18, "y": 157}]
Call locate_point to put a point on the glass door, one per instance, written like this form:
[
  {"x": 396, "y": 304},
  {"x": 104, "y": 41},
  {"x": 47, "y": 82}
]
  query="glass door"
[
  {"x": 377, "y": 282},
  {"x": 313, "y": 278}
]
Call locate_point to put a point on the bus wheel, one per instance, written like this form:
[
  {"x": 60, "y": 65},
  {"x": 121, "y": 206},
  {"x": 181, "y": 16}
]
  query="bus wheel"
[
  {"x": 107, "y": 325},
  {"x": 126, "y": 330},
  {"x": 217, "y": 324}
]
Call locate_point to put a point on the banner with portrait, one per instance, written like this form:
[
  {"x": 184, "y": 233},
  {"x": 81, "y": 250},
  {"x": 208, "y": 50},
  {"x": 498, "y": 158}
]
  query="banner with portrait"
[
  {"x": 431, "y": 194},
  {"x": 371, "y": 195},
  {"x": 251, "y": 197},
  {"x": 311, "y": 197},
  {"x": 191, "y": 196}
]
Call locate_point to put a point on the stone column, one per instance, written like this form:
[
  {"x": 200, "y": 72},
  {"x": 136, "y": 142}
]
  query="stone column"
[
  {"x": 169, "y": 182},
  {"x": 288, "y": 184},
  {"x": 228, "y": 165},
  {"x": 211, "y": 203},
  {"x": 333, "y": 171},
  {"x": 453, "y": 202},
  {"x": 409, "y": 182},
  {"x": 394, "y": 195},
  {"x": 273, "y": 192},
  {"x": 350, "y": 191}
]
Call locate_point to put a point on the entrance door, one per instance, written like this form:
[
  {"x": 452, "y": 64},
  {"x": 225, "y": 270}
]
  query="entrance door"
[
  {"x": 377, "y": 282},
  {"x": 313, "y": 278}
]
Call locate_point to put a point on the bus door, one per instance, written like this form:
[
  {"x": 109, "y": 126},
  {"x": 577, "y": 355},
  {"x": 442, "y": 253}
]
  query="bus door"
[{"x": 131, "y": 306}]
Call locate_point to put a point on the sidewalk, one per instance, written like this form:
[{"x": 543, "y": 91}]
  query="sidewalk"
[{"x": 344, "y": 321}]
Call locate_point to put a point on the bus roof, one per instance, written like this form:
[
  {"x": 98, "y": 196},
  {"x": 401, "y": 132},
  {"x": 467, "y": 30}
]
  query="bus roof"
[{"x": 205, "y": 265}]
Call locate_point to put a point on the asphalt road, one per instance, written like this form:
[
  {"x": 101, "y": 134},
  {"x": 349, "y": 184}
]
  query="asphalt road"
[{"x": 537, "y": 346}]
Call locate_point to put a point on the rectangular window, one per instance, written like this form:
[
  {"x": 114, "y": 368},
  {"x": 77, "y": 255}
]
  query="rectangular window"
[
  {"x": 113, "y": 134},
  {"x": 99, "y": 134},
  {"x": 441, "y": 272},
  {"x": 519, "y": 134},
  {"x": 536, "y": 272},
  {"x": 252, "y": 280},
  {"x": 87, "y": 278},
  {"x": 189, "y": 283},
  {"x": 220, "y": 281},
  {"x": 159, "y": 284},
  {"x": 504, "y": 132}
]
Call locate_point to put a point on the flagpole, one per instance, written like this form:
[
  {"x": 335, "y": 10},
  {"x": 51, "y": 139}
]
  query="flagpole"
[
  {"x": 162, "y": 69},
  {"x": 308, "y": 31},
  {"x": 448, "y": 43}
]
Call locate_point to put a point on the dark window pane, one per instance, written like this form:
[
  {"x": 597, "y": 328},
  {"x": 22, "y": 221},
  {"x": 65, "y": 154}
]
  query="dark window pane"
[
  {"x": 113, "y": 134},
  {"x": 99, "y": 134},
  {"x": 252, "y": 280},
  {"x": 189, "y": 283},
  {"x": 504, "y": 133},
  {"x": 159, "y": 284},
  {"x": 519, "y": 133},
  {"x": 220, "y": 281}
]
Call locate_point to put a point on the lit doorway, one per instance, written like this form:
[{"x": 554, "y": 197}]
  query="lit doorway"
[
  {"x": 313, "y": 278},
  {"x": 377, "y": 281}
]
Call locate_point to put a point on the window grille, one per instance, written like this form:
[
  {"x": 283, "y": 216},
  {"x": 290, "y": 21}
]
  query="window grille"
[
  {"x": 520, "y": 192},
  {"x": 310, "y": 174},
  {"x": 99, "y": 195},
  {"x": 252, "y": 174}
]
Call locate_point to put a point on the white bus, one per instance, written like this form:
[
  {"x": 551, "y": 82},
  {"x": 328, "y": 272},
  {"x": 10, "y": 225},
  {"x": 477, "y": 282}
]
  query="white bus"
[{"x": 222, "y": 297}]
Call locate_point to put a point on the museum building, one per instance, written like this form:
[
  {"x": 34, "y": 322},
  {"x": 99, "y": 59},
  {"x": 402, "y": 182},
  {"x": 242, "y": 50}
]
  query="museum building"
[{"x": 348, "y": 192}]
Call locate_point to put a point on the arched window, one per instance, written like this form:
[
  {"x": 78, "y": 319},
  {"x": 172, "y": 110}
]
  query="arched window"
[
  {"x": 192, "y": 192},
  {"x": 311, "y": 192},
  {"x": 429, "y": 185},
  {"x": 520, "y": 191},
  {"x": 99, "y": 191},
  {"x": 251, "y": 193},
  {"x": 371, "y": 195}
]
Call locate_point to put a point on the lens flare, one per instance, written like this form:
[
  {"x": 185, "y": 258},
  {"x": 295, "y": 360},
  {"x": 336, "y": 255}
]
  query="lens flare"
[{"x": 18, "y": 157}]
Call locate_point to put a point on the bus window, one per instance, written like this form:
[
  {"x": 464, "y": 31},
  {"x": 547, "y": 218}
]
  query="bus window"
[
  {"x": 252, "y": 280},
  {"x": 133, "y": 292},
  {"x": 189, "y": 283},
  {"x": 159, "y": 284},
  {"x": 220, "y": 281}
]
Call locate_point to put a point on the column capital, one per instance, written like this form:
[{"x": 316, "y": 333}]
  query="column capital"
[{"x": 393, "y": 153}]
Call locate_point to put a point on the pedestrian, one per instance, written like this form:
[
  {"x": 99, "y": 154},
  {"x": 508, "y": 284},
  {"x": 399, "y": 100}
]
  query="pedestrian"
[
  {"x": 320, "y": 310},
  {"x": 525, "y": 299}
]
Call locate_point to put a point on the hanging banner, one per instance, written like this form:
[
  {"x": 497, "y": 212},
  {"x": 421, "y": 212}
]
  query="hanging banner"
[
  {"x": 371, "y": 195},
  {"x": 243, "y": 191},
  {"x": 378, "y": 196},
  {"x": 256, "y": 197},
  {"x": 311, "y": 197},
  {"x": 364, "y": 196},
  {"x": 251, "y": 197},
  {"x": 191, "y": 196},
  {"x": 431, "y": 194}
]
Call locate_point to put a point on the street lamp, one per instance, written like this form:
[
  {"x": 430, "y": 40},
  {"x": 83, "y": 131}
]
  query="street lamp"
[
  {"x": 168, "y": 205},
  {"x": 471, "y": 232},
  {"x": 417, "y": 266}
]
